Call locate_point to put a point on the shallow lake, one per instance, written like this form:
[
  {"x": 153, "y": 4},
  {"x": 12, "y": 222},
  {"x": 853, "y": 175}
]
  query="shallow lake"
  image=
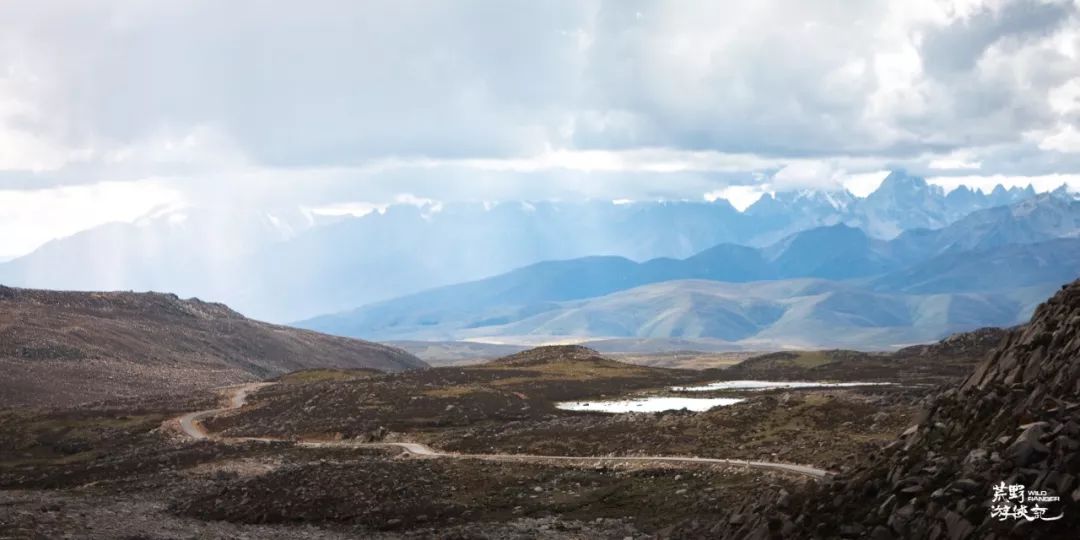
[
  {"x": 769, "y": 385},
  {"x": 647, "y": 404}
]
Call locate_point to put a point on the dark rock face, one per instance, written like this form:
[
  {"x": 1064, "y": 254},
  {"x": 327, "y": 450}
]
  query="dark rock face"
[
  {"x": 1015, "y": 420},
  {"x": 976, "y": 341}
]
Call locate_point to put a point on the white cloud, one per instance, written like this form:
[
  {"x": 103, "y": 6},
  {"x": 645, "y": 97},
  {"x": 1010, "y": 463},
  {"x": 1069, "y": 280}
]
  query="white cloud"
[
  {"x": 958, "y": 160},
  {"x": 828, "y": 176},
  {"x": 741, "y": 197},
  {"x": 328, "y": 101},
  {"x": 1065, "y": 139},
  {"x": 1065, "y": 99},
  {"x": 354, "y": 209},
  {"x": 863, "y": 184},
  {"x": 21, "y": 147},
  {"x": 334, "y": 83},
  {"x": 27, "y": 152},
  {"x": 806, "y": 175},
  {"x": 200, "y": 147},
  {"x": 653, "y": 160}
]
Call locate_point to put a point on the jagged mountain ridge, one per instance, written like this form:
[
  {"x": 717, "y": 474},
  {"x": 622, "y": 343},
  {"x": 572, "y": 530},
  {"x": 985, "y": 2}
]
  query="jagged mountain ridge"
[
  {"x": 616, "y": 297},
  {"x": 1044, "y": 217},
  {"x": 902, "y": 202},
  {"x": 283, "y": 267}
]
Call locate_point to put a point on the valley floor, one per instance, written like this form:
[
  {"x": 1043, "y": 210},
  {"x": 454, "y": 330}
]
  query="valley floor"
[{"x": 126, "y": 469}]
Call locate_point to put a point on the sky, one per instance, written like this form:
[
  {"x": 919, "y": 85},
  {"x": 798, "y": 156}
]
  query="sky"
[{"x": 111, "y": 110}]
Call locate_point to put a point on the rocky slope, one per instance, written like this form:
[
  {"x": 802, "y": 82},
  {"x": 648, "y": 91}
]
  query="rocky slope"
[
  {"x": 64, "y": 348},
  {"x": 1015, "y": 421},
  {"x": 539, "y": 356},
  {"x": 946, "y": 361}
]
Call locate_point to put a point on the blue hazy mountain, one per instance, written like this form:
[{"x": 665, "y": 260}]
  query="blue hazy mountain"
[
  {"x": 1040, "y": 218},
  {"x": 806, "y": 313},
  {"x": 1002, "y": 267},
  {"x": 834, "y": 252},
  {"x": 190, "y": 252},
  {"x": 283, "y": 266},
  {"x": 903, "y": 201},
  {"x": 782, "y": 214}
]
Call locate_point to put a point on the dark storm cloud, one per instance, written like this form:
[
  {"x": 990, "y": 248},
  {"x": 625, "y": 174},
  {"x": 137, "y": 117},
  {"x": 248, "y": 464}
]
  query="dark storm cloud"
[{"x": 959, "y": 46}]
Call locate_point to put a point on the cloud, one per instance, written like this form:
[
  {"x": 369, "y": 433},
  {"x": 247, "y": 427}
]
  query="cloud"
[
  {"x": 318, "y": 83},
  {"x": 806, "y": 175},
  {"x": 827, "y": 176},
  {"x": 863, "y": 184},
  {"x": 327, "y": 102},
  {"x": 354, "y": 209},
  {"x": 1065, "y": 139},
  {"x": 741, "y": 197},
  {"x": 959, "y": 160},
  {"x": 335, "y": 83}
]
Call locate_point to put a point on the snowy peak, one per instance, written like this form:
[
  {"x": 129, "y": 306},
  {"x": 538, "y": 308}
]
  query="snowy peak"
[
  {"x": 900, "y": 180},
  {"x": 902, "y": 188}
]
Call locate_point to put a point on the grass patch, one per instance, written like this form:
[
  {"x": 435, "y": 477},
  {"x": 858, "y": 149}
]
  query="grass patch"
[
  {"x": 325, "y": 374},
  {"x": 815, "y": 400},
  {"x": 453, "y": 391},
  {"x": 591, "y": 370},
  {"x": 95, "y": 424},
  {"x": 71, "y": 437},
  {"x": 811, "y": 359}
]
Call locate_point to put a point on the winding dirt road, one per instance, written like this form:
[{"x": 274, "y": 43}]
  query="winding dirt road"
[{"x": 190, "y": 425}]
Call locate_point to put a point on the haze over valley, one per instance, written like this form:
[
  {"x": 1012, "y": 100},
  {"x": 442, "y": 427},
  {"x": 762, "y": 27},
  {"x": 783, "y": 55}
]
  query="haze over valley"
[
  {"x": 906, "y": 264},
  {"x": 831, "y": 286}
]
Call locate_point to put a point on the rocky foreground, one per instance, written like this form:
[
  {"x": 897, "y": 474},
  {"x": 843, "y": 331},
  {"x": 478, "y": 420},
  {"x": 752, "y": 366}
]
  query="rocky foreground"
[
  {"x": 120, "y": 469},
  {"x": 985, "y": 459}
]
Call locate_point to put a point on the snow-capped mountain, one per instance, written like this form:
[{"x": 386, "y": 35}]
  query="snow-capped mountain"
[
  {"x": 825, "y": 286},
  {"x": 902, "y": 202},
  {"x": 285, "y": 265}
]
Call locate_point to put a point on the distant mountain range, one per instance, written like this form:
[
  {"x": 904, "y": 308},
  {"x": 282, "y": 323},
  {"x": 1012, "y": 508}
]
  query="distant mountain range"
[
  {"x": 827, "y": 286},
  {"x": 283, "y": 266},
  {"x": 761, "y": 315},
  {"x": 902, "y": 202}
]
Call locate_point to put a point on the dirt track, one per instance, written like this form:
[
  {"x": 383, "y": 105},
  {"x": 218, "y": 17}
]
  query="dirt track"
[
  {"x": 237, "y": 397},
  {"x": 189, "y": 423}
]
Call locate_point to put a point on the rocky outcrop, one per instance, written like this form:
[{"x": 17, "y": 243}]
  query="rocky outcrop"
[
  {"x": 961, "y": 344},
  {"x": 1015, "y": 421},
  {"x": 547, "y": 354}
]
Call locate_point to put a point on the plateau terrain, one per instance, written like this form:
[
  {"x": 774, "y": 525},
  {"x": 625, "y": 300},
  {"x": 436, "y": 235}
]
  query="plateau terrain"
[
  {"x": 66, "y": 348},
  {"x": 509, "y": 448}
]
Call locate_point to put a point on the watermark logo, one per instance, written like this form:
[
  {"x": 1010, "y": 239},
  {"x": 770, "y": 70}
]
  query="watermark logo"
[{"x": 1016, "y": 502}]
